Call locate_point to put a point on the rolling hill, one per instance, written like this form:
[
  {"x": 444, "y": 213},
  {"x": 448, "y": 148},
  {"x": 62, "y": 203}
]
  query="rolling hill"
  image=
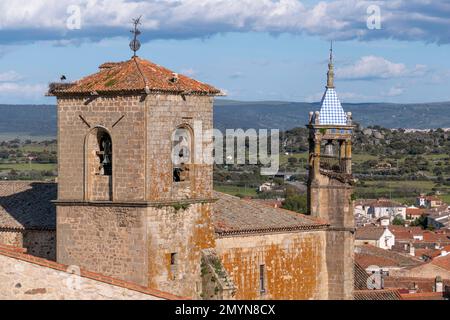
[{"x": 40, "y": 120}]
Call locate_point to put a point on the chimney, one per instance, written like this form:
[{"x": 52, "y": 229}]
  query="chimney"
[
  {"x": 439, "y": 286},
  {"x": 412, "y": 250}
]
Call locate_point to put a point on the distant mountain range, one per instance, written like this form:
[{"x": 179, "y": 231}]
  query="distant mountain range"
[
  {"x": 40, "y": 120},
  {"x": 288, "y": 115}
]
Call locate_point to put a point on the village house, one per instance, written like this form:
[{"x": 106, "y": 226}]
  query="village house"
[
  {"x": 379, "y": 237},
  {"x": 386, "y": 208},
  {"x": 429, "y": 202}
]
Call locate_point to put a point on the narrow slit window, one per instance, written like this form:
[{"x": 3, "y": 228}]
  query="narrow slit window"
[{"x": 262, "y": 284}]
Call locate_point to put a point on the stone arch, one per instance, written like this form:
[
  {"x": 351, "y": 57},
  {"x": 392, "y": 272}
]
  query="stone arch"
[
  {"x": 182, "y": 153},
  {"x": 99, "y": 164}
]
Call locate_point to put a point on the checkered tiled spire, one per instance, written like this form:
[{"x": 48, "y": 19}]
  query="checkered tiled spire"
[{"x": 331, "y": 112}]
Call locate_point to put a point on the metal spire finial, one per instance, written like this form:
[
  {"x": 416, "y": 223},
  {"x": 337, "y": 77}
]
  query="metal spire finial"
[
  {"x": 330, "y": 74},
  {"x": 135, "y": 45}
]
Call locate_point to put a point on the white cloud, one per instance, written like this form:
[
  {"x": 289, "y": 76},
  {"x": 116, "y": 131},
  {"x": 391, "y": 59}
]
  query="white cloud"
[
  {"x": 12, "y": 91},
  {"x": 10, "y": 76},
  {"x": 395, "y": 91},
  {"x": 337, "y": 19},
  {"x": 373, "y": 67},
  {"x": 190, "y": 72}
]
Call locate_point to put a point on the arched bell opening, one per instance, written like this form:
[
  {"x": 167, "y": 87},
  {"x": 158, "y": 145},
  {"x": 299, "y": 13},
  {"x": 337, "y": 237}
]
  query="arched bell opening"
[{"x": 99, "y": 165}]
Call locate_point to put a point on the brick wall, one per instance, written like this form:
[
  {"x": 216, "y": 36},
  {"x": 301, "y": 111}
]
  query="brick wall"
[{"x": 294, "y": 263}]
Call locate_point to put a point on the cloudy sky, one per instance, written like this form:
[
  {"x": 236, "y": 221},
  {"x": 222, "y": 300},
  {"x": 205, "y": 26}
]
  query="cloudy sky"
[{"x": 251, "y": 49}]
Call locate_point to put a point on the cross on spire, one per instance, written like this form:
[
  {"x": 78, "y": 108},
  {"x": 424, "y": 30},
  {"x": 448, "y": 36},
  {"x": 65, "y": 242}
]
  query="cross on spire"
[{"x": 135, "y": 45}]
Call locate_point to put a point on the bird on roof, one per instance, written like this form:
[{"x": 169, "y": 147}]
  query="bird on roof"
[{"x": 63, "y": 77}]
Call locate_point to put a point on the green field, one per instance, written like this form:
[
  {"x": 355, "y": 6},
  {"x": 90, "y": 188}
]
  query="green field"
[
  {"x": 235, "y": 190},
  {"x": 27, "y": 166}
]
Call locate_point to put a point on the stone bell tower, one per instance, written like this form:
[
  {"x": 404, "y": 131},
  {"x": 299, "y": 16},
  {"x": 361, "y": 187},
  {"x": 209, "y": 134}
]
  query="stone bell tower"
[
  {"x": 134, "y": 198},
  {"x": 330, "y": 185}
]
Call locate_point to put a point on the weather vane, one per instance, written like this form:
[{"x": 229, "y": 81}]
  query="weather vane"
[{"x": 135, "y": 45}]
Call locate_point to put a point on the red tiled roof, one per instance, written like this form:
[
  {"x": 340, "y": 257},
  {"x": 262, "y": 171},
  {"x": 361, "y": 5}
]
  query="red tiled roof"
[
  {"x": 361, "y": 277},
  {"x": 430, "y": 236},
  {"x": 407, "y": 283},
  {"x": 369, "y": 233},
  {"x": 443, "y": 262},
  {"x": 232, "y": 215},
  {"x": 27, "y": 205},
  {"x": 385, "y": 294},
  {"x": 138, "y": 76},
  {"x": 414, "y": 212},
  {"x": 423, "y": 296},
  {"x": 367, "y": 255}
]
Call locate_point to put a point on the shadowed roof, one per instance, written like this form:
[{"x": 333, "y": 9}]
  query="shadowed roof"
[
  {"x": 27, "y": 205},
  {"x": 232, "y": 215},
  {"x": 367, "y": 255},
  {"x": 135, "y": 75}
]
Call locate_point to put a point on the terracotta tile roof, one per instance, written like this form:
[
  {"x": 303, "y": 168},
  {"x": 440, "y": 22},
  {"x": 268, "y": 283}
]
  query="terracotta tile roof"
[
  {"x": 27, "y": 205},
  {"x": 415, "y": 212},
  {"x": 386, "y": 203},
  {"x": 385, "y": 294},
  {"x": 138, "y": 76},
  {"x": 423, "y": 296},
  {"x": 405, "y": 233},
  {"x": 430, "y": 236},
  {"x": 369, "y": 233},
  {"x": 232, "y": 215},
  {"x": 361, "y": 277},
  {"x": 442, "y": 261},
  {"x": 408, "y": 283},
  {"x": 368, "y": 255},
  {"x": 426, "y": 252}
]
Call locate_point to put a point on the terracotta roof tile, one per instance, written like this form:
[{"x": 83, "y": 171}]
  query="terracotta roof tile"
[
  {"x": 27, "y": 205},
  {"x": 385, "y": 294},
  {"x": 232, "y": 215},
  {"x": 138, "y": 76},
  {"x": 369, "y": 233},
  {"x": 423, "y": 296},
  {"x": 361, "y": 277},
  {"x": 442, "y": 261},
  {"x": 367, "y": 255},
  {"x": 408, "y": 283}
]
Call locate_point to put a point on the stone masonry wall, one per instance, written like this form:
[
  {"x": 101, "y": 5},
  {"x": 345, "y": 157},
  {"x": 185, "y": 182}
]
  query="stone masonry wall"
[
  {"x": 165, "y": 114},
  {"x": 103, "y": 239},
  {"x": 40, "y": 243},
  {"x": 183, "y": 231},
  {"x": 11, "y": 238},
  {"x": 124, "y": 118},
  {"x": 295, "y": 265},
  {"x": 21, "y": 280},
  {"x": 330, "y": 199}
]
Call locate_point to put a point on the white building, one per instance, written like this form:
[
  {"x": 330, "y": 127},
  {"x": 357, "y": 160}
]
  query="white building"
[{"x": 379, "y": 237}]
